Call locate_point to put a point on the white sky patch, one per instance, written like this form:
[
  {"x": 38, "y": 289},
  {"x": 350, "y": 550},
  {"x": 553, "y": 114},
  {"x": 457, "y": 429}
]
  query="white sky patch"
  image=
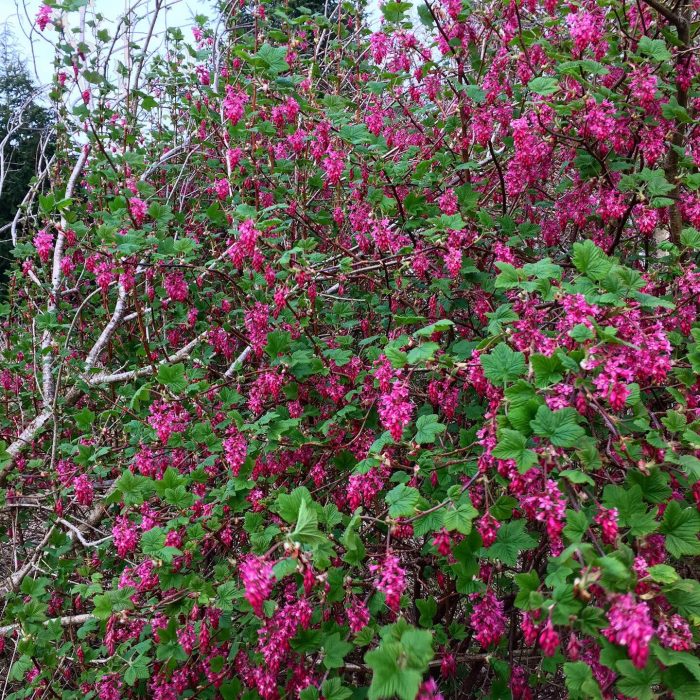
[{"x": 38, "y": 47}]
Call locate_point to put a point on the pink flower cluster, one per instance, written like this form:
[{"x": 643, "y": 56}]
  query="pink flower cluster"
[
  {"x": 125, "y": 536},
  {"x": 43, "y": 17},
  {"x": 258, "y": 581},
  {"x": 391, "y": 580},
  {"x": 234, "y": 104},
  {"x": 43, "y": 242},
  {"x": 488, "y": 620},
  {"x": 167, "y": 419},
  {"x": 139, "y": 210},
  {"x": 358, "y": 615},
  {"x": 630, "y": 626},
  {"x": 235, "y": 450},
  {"x": 607, "y": 519},
  {"x": 176, "y": 286},
  {"x": 549, "y": 508},
  {"x": 84, "y": 492},
  {"x": 396, "y": 409}
]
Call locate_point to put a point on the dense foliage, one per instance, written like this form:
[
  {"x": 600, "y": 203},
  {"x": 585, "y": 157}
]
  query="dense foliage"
[{"x": 349, "y": 363}]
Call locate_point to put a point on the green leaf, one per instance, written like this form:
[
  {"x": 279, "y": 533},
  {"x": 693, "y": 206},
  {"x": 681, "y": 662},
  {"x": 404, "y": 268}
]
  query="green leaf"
[
  {"x": 113, "y": 601},
  {"x": 685, "y": 596},
  {"x": 528, "y": 597},
  {"x": 459, "y": 518},
  {"x": 20, "y": 667},
  {"x": 500, "y": 319},
  {"x": 173, "y": 376},
  {"x": 576, "y": 476},
  {"x": 398, "y": 358},
  {"x": 85, "y": 418},
  {"x": 133, "y": 488},
  {"x": 663, "y": 573},
  {"x": 422, "y": 353},
  {"x": 654, "y": 48},
  {"x": 402, "y": 501},
  {"x": 272, "y": 58},
  {"x": 589, "y": 259},
  {"x": 512, "y": 445},
  {"x": 277, "y": 343},
  {"x": 437, "y": 327},
  {"x": 427, "y": 609},
  {"x": 632, "y": 511},
  {"x": 288, "y": 504},
  {"x": 580, "y": 682},
  {"x": 398, "y": 664},
  {"x": 389, "y": 677},
  {"x": 581, "y": 332},
  {"x": 306, "y": 529},
  {"x": 153, "y": 545},
  {"x": 548, "y": 370},
  {"x": 681, "y": 527},
  {"x": 690, "y": 238},
  {"x": 637, "y": 682},
  {"x": 691, "y": 465},
  {"x": 503, "y": 365},
  {"x": 670, "y": 657},
  {"x": 428, "y": 428},
  {"x": 510, "y": 542},
  {"x": 334, "y": 650},
  {"x": 559, "y": 427},
  {"x": 544, "y": 85},
  {"x": 333, "y": 689},
  {"x": 394, "y": 11}
]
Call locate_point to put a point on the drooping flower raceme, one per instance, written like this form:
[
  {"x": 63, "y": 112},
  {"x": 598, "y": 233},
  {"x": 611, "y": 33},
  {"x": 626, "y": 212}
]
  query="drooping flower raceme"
[{"x": 631, "y": 626}]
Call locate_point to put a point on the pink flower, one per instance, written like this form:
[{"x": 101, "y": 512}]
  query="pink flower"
[
  {"x": 488, "y": 620},
  {"x": 168, "y": 418},
  {"x": 443, "y": 542},
  {"x": 125, "y": 536},
  {"x": 379, "y": 44},
  {"x": 395, "y": 410},
  {"x": 549, "y": 639},
  {"x": 256, "y": 323},
  {"x": 530, "y": 629},
  {"x": 235, "y": 450},
  {"x": 109, "y": 687},
  {"x": 258, "y": 581},
  {"x": 391, "y": 580},
  {"x": 586, "y": 29},
  {"x": 333, "y": 165},
  {"x": 84, "y": 493},
  {"x": 43, "y": 17},
  {"x": 675, "y": 633},
  {"x": 138, "y": 209},
  {"x": 176, "y": 286},
  {"x": 630, "y": 626},
  {"x": 488, "y": 528},
  {"x": 448, "y": 666},
  {"x": 234, "y": 104},
  {"x": 448, "y": 202},
  {"x": 363, "y": 488},
  {"x": 43, "y": 242},
  {"x": 550, "y": 509},
  {"x": 358, "y": 615},
  {"x": 429, "y": 691},
  {"x": 607, "y": 519}
]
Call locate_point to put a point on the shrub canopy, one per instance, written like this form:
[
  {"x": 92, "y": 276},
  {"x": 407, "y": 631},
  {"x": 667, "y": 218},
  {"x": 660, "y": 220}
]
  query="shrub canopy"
[{"x": 346, "y": 363}]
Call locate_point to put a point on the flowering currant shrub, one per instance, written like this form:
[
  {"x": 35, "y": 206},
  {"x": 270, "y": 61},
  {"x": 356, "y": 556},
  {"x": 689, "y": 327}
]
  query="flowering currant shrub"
[{"x": 348, "y": 362}]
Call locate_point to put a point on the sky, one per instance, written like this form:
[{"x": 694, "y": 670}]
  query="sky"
[{"x": 37, "y": 49}]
